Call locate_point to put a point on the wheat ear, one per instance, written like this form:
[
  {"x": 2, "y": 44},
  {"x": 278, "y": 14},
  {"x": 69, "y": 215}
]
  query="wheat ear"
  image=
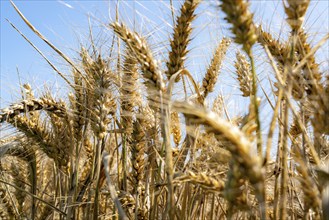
[
  {"x": 240, "y": 17},
  {"x": 295, "y": 11},
  {"x": 175, "y": 127},
  {"x": 139, "y": 47},
  {"x": 311, "y": 69},
  {"x": 210, "y": 78},
  {"x": 43, "y": 137},
  {"x": 138, "y": 144},
  {"x": 78, "y": 105},
  {"x": 129, "y": 93},
  {"x": 243, "y": 71},
  {"x": 279, "y": 50},
  {"x": 203, "y": 180},
  {"x": 103, "y": 101},
  {"x": 181, "y": 38},
  {"x": 32, "y": 105}
]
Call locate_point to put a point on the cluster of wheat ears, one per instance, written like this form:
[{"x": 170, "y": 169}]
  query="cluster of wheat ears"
[{"x": 120, "y": 146}]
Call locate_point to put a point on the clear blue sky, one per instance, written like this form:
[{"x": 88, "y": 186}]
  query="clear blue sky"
[
  {"x": 65, "y": 24},
  {"x": 60, "y": 23}
]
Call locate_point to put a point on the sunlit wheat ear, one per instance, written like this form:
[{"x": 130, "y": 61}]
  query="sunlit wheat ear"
[
  {"x": 45, "y": 188},
  {"x": 153, "y": 78},
  {"x": 78, "y": 106},
  {"x": 241, "y": 18},
  {"x": 138, "y": 145},
  {"x": 243, "y": 71},
  {"x": 203, "y": 180},
  {"x": 311, "y": 71},
  {"x": 210, "y": 78},
  {"x": 281, "y": 52},
  {"x": 175, "y": 128},
  {"x": 130, "y": 96},
  {"x": 181, "y": 38},
  {"x": 25, "y": 172},
  {"x": 61, "y": 131},
  {"x": 40, "y": 135},
  {"x": 89, "y": 156},
  {"x": 278, "y": 49},
  {"x": 20, "y": 178},
  {"x": 26, "y": 106},
  {"x": 101, "y": 88},
  {"x": 314, "y": 87},
  {"x": 295, "y": 11}
]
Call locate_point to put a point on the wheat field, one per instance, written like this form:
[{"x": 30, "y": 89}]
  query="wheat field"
[{"x": 124, "y": 144}]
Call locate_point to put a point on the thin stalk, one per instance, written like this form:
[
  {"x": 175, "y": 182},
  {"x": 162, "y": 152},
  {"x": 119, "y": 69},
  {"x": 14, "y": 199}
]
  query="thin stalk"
[
  {"x": 254, "y": 100},
  {"x": 33, "y": 170},
  {"x": 272, "y": 127},
  {"x": 283, "y": 190},
  {"x": 124, "y": 164},
  {"x": 113, "y": 194},
  {"x": 98, "y": 161},
  {"x": 168, "y": 158}
]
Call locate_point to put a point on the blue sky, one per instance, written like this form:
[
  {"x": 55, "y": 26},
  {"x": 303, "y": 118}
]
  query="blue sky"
[{"x": 60, "y": 23}]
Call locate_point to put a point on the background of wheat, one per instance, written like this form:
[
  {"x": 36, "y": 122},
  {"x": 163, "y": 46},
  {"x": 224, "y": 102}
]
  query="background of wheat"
[{"x": 141, "y": 131}]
